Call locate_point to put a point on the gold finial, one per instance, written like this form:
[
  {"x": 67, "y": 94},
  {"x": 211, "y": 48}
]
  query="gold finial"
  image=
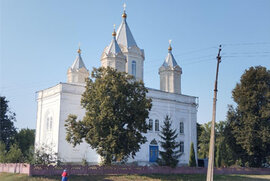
[
  {"x": 124, "y": 15},
  {"x": 170, "y": 47},
  {"x": 79, "y": 50},
  {"x": 114, "y": 33}
]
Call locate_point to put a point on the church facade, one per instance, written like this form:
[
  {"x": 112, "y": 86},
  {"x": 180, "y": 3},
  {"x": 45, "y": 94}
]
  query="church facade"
[{"x": 57, "y": 102}]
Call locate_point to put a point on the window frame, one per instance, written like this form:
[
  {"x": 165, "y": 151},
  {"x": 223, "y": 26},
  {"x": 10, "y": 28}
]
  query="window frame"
[
  {"x": 133, "y": 68},
  {"x": 151, "y": 126},
  {"x": 181, "y": 146},
  {"x": 181, "y": 127},
  {"x": 48, "y": 123},
  {"x": 156, "y": 125}
]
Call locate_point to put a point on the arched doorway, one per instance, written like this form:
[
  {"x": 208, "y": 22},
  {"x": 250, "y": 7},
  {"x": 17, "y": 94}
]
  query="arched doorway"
[{"x": 153, "y": 151}]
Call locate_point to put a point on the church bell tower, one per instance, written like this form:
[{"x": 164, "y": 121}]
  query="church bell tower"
[
  {"x": 134, "y": 55},
  {"x": 112, "y": 56},
  {"x": 170, "y": 74},
  {"x": 77, "y": 73}
]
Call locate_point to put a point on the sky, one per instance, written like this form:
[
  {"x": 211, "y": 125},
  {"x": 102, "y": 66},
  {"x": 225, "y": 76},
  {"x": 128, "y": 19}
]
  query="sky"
[{"x": 39, "y": 41}]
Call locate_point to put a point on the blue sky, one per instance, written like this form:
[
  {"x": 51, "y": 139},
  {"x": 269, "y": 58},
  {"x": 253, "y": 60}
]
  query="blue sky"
[{"x": 39, "y": 40}]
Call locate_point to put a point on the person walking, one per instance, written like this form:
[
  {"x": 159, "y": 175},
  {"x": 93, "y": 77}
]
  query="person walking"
[{"x": 65, "y": 175}]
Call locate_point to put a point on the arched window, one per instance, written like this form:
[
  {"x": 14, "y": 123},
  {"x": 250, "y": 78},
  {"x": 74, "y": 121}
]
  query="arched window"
[
  {"x": 51, "y": 122},
  {"x": 48, "y": 123},
  {"x": 156, "y": 125},
  {"x": 181, "y": 128},
  {"x": 133, "y": 68},
  {"x": 151, "y": 124},
  {"x": 181, "y": 147},
  {"x": 153, "y": 142}
]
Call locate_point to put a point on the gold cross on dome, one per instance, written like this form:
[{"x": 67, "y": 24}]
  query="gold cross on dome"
[
  {"x": 79, "y": 50},
  {"x": 124, "y": 5}
]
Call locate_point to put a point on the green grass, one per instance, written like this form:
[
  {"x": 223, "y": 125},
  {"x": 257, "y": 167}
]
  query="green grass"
[{"x": 21, "y": 177}]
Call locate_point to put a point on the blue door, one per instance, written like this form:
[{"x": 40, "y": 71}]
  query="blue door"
[{"x": 153, "y": 153}]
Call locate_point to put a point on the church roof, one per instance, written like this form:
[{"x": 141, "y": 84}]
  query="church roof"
[
  {"x": 124, "y": 36},
  {"x": 170, "y": 60},
  {"x": 78, "y": 63},
  {"x": 113, "y": 48}
]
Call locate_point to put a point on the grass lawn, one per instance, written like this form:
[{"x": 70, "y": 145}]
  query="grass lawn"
[{"x": 21, "y": 177}]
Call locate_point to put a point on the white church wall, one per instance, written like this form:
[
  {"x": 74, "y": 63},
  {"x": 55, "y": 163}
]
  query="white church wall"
[
  {"x": 71, "y": 104},
  {"x": 114, "y": 62},
  {"x": 48, "y": 118},
  {"x": 134, "y": 56},
  {"x": 179, "y": 108},
  {"x": 64, "y": 99}
]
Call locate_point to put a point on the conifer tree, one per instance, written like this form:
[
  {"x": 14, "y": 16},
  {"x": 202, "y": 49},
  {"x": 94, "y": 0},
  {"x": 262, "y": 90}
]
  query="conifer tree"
[
  {"x": 170, "y": 155},
  {"x": 192, "y": 159}
]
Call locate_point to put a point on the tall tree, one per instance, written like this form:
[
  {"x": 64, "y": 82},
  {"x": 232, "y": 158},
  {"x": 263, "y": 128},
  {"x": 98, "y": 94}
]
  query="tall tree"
[
  {"x": 25, "y": 139},
  {"x": 250, "y": 120},
  {"x": 2, "y": 152},
  {"x": 224, "y": 156},
  {"x": 116, "y": 112},
  {"x": 204, "y": 140},
  {"x": 7, "y": 118},
  {"x": 14, "y": 155},
  {"x": 192, "y": 158},
  {"x": 170, "y": 155},
  {"x": 199, "y": 132}
]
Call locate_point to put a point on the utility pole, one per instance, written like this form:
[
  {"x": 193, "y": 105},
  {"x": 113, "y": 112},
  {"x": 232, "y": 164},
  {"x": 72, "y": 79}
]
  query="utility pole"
[{"x": 210, "y": 169}]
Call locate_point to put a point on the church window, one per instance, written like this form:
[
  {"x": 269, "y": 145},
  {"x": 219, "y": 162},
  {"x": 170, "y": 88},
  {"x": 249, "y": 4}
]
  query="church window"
[
  {"x": 48, "y": 123},
  {"x": 181, "y": 147},
  {"x": 156, "y": 125},
  {"x": 151, "y": 124},
  {"x": 181, "y": 128},
  {"x": 153, "y": 142},
  {"x": 133, "y": 68},
  {"x": 51, "y": 121}
]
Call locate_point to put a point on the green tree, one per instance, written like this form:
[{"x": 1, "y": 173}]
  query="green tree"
[
  {"x": 25, "y": 139},
  {"x": 192, "y": 159},
  {"x": 169, "y": 157},
  {"x": 116, "y": 112},
  {"x": 14, "y": 155},
  {"x": 204, "y": 140},
  {"x": 250, "y": 120},
  {"x": 45, "y": 155},
  {"x": 2, "y": 152},
  {"x": 239, "y": 155},
  {"x": 224, "y": 156},
  {"x": 218, "y": 156},
  {"x": 29, "y": 155},
  {"x": 7, "y": 118},
  {"x": 199, "y": 132}
]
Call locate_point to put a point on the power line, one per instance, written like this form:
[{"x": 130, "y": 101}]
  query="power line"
[
  {"x": 196, "y": 51},
  {"x": 245, "y": 56},
  {"x": 245, "y": 44},
  {"x": 248, "y": 53}
]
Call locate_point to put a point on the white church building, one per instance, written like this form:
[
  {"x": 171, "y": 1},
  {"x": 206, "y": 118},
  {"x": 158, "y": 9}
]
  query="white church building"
[{"x": 57, "y": 102}]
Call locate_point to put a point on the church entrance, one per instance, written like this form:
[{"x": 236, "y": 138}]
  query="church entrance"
[{"x": 153, "y": 151}]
